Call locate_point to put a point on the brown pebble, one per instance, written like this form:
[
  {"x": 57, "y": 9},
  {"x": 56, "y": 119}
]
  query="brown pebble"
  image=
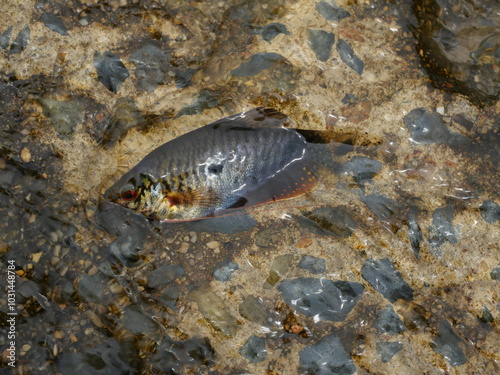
[{"x": 25, "y": 155}]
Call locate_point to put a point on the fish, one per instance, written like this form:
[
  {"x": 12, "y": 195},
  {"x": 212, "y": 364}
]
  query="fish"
[{"x": 237, "y": 162}]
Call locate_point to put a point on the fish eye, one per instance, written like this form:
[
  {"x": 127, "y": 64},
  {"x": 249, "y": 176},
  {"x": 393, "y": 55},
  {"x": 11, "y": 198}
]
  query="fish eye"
[{"x": 128, "y": 193}]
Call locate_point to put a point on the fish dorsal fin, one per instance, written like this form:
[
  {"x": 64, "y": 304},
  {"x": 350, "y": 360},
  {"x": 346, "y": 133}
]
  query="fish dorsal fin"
[{"x": 256, "y": 118}]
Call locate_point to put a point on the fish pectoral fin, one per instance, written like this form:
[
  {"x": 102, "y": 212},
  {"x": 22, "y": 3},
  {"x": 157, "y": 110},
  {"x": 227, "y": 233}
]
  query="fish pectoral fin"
[{"x": 202, "y": 197}]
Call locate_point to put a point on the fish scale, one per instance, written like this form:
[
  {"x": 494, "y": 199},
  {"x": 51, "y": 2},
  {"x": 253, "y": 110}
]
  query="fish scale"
[{"x": 236, "y": 162}]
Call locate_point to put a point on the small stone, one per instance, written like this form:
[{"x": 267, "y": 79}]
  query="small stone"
[
  {"x": 258, "y": 63},
  {"x": 490, "y": 211},
  {"x": 280, "y": 265},
  {"x": 384, "y": 278},
  {"x": 312, "y": 264},
  {"x": 388, "y": 322},
  {"x": 329, "y": 221},
  {"x": 90, "y": 289},
  {"x": 184, "y": 248},
  {"x": 387, "y": 350},
  {"x": 25, "y": 155},
  {"x": 254, "y": 349},
  {"x": 327, "y": 357},
  {"x": 382, "y": 206},
  {"x": 36, "y": 256},
  {"x": 321, "y": 43},
  {"x": 214, "y": 311},
  {"x": 164, "y": 275},
  {"x": 212, "y": 245},
  {"x": 331, "y": 12},
  {"x": 448, "y": 344},
  {"x": 442, "y": 229},
  {"x": 21, "y": 42},
  {"x": 224, "y": 270},
  {"x": 5, "y": 37},
  {"x": 135, "y": 321},
  {"x": 414, "y": 232},
  {"x": 54, "y": 23},
  {"x": 110, "y": 70},
  {"x": 348, "y": 56},
  {"x": 495, "y": 273},
  {"x": 252, "y": 310},
  {"x": 362, "y": 168},
  {"x": 322, "y": 298}
]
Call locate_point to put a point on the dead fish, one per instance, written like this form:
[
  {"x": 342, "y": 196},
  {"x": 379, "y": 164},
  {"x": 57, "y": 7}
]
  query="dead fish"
[{"x": 237, "y": 162}]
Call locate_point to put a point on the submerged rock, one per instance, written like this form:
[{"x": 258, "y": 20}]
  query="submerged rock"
[
  {"x": 135, "y": 321},
  {"x": 91, "y": 288},
  {"x": 495, "y": 273},
  {"x": 224, "y": 269},
  {"x": 252, "y": 310},
  {"x": 321, "y": 43},
  {"x": 64, "y": 115},
  {"x": 5, "y": 37},
  {"x": 426, "y": 127},
  {"x": 258, "y": 63},
  {"x": 449, "y": 345},
  {"x": 388, "y": 322},
  {"x": 151, "y": 66},
  {"x": 329, "y": 221},
  {"x": 384, "y": 278},
  {"x": 414, "y": 232},
  {"x": 175, "y": 357},
  {"x": 382, "y": 206},
  {"x": 387, "y": 350},
  {"x": 110, "y": 70},
  {"x": 459, "y": 43},
  {"x": 322, "y": 298},
  {"x": 54, "y": 23},
  {"x": 331, "y": 12},
  {"x": 312, "y": 264},
  {"x": 442, "y": 229},
  {"x": 270, "y": 31},
  {"x": 279, "y": 266},
  {"x": 164, "y": 275},
  {"x": 490, "y": 211},
  {"x": 327, "y": 357},
  {"x": 104, "y": 359},
  {"x": 363, "y": 169},
  {"x": 21, "y": 42},
  {"x": 254, "y": 349},
  {"x": 214, "y": 311},
  {"x": 348, "y": 56},
  {"x": 206, "y": 99}
]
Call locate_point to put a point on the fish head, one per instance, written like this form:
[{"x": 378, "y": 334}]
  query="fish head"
[{"x": 143, "y": 194}]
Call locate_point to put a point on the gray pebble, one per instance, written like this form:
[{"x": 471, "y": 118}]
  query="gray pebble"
[
  {"x": 331, "y": 12},
  {"x": 448, "y": 344},
  {"x": 495, "y": 273},
  {"x": 329, "y": 221},
  {"x": 321, "y": 43},
  {"x": 327, "y": 357},
  {"x": 164, "y": 275},
  {"x": 362, "y": 168},
  {"x": 348, "y": 56},
  {"x": 151, "y": 66},
  {"x": 5, "y": 37},
  {"x": 206, "y": 99},
  {"x": 442, "y": 229},
  {"x": 252, "y": 310},
  {"x": 224, "y": 270},
  {"x": 382, "y": 206},
  {"x": 271, "y": 30},
  {"x": 490, "y": 211},
  {"x": 135, "y": 321},
  {"x": 254, "y": 349},
  {"x": 110, "y": 70},
  {"x": 384, "y": 278},
  {"x": 388, "y": 322},
  {"x": 414, "y": 232},
  {"x": 91, "y": 289},
  {"x": 64, "y": 115},
  {"x": 312, "y": 264},
  {"x": 258, "y": 63},
  {"x": 21, "y": 42},
  {"x": 387, "y": 350},
  {"x": 323, "y": 298},
  {"x": 54, "y": 23}
]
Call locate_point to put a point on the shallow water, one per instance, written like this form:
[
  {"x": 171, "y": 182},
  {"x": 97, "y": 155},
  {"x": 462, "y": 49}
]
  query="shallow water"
[{"x": 391, "y": 265}]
